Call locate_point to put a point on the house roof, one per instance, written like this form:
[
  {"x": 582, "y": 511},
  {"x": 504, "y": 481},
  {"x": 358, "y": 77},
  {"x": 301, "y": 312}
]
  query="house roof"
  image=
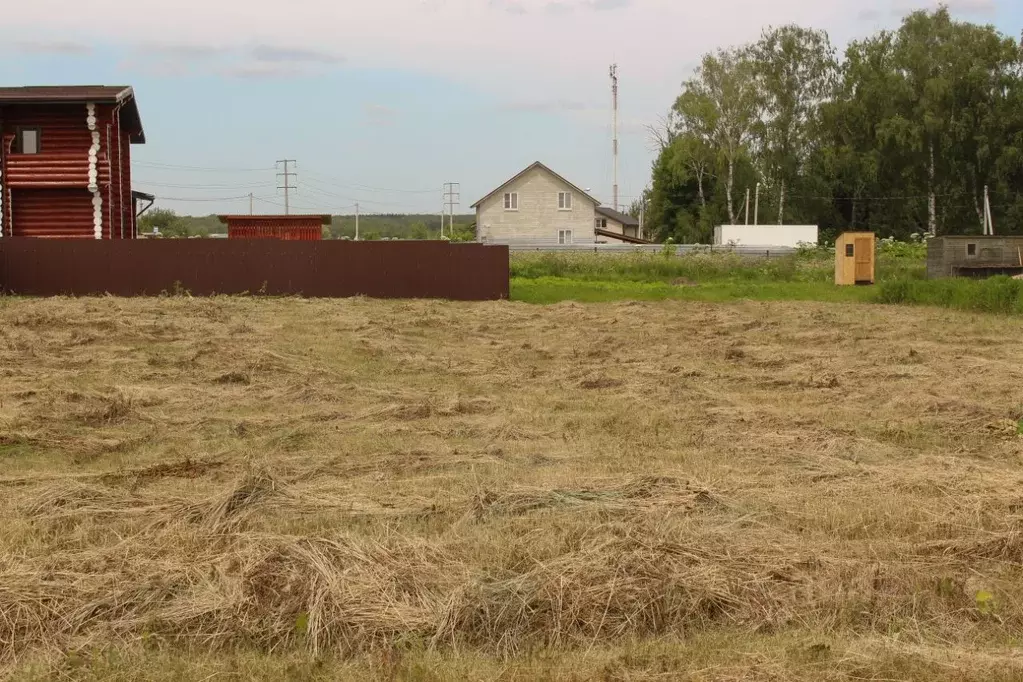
[
  {"x": 71, "y": 94},
  {"x": 532, "y": 166},
  {"x": 626, "y": 220},
  {"x": 66, "y": 93}
]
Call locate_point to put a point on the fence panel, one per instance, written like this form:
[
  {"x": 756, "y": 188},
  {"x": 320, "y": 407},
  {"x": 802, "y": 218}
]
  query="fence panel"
[{"x": 203, "y": 267}]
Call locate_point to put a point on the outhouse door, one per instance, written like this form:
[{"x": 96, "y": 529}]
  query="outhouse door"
[{"x": 864, "y": 259}]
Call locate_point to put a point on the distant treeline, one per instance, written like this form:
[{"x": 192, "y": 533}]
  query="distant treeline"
[
  {"x": 901, "y": 134},
  {"x": 376, "y": 226}
]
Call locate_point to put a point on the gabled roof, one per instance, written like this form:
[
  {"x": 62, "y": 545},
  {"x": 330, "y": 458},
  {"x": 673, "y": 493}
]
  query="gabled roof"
[
  {"x": 72, "y": 94},
  {"x": 626, "y": 220},
  {"x": 526, "y": 170}
]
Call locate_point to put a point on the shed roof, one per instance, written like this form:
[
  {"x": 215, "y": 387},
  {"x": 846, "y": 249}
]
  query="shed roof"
[
  {"x": 71, "y": 94},
  {"x": 617, "y": 216},
  {"x": 292, "y": 217},
  {"x": 528, "y": 168}
]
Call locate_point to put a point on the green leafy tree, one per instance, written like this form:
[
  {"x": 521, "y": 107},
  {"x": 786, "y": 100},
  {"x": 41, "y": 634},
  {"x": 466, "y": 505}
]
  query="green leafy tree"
[
  {"x": 164, "y": 220},
  {"x": 795, "y": 73},
  {"x": 900, "y": 137}
]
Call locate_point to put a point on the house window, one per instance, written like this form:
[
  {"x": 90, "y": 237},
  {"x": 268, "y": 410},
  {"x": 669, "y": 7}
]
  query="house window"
[
  {"x": 27, "y": 141},
  {"x": 511, "y": 201},
  {"x": 850, "y": 250},
  {"x": 564, "y": 236},
  {"x": 601, "y": 223},
  {"x": 971, "y": 249},
  {"x": 564, "y": 201}
]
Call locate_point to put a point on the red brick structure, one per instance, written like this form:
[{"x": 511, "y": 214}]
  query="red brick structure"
[
  {"x": 65, "y": 162},
  {"x": 292, "y": 227}
]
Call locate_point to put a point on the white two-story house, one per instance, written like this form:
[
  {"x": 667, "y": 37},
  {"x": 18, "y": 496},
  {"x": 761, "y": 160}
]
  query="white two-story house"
[{"x": 537, "y": 206}]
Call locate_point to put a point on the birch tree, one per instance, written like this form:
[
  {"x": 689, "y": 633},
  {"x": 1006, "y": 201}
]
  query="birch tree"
[
  {"x": 722, "y": 100},
  {"x": 795, "y": 73}
]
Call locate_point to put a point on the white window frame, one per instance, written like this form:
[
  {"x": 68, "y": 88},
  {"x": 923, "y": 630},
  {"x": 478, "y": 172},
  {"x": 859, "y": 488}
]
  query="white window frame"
[
  {"x": 19, "y": 142},
  {"x": 564, "y": 201},
  {"x": 565, "y": 236},
  {"x": 511, "y": 201},
  {"x": 601, "y": 223}
]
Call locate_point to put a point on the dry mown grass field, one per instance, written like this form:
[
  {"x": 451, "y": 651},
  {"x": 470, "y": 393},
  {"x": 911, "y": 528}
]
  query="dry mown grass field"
[{"x": 291, "y": 489}]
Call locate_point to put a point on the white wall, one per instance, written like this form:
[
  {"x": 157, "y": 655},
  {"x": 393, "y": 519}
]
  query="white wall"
[
  {"x": 538, "y": 216},
  {"x": 612, "y": 224},
  {"x": 765, "y": 235}
]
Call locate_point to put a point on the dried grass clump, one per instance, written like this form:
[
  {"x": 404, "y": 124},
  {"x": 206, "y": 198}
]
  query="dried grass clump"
[
  {"x": 632, "y": 496},
  {"x": 609, "y": 591}
]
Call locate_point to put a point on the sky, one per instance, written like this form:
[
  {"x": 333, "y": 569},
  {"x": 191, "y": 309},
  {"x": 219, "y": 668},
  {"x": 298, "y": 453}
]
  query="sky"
[{"x": 381, "y": 102}]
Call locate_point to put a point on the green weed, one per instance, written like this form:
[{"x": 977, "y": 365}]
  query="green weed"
[{"x": 1001, "y": 294}]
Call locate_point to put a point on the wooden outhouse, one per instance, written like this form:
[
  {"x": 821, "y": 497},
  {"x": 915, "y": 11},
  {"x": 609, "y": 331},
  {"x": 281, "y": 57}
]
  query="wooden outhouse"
[
  {"x": 854, "y": 258},
  {"x": 65, "y": 161}
]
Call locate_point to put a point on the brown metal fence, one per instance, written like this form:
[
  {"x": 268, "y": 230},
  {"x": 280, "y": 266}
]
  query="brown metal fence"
[{"x": 203, "y": 267}]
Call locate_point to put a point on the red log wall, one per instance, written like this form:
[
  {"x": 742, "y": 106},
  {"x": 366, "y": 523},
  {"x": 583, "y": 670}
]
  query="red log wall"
[
  {"x": 291, "y": 227},
  {"x": 48, "y": 194}
]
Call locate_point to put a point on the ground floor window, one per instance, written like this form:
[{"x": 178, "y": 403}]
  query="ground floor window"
[{"x": 564, "y": 236}]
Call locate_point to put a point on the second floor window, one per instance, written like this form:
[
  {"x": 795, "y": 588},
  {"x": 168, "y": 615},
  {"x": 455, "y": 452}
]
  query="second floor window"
[
  {"x": 511, "y": 201},
  {"x": 564, "y": 201},
  {"x": 27, "y": 141}
]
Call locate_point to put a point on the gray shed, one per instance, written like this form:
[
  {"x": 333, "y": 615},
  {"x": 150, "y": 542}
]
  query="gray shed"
[{"x": 974, "y": 256}]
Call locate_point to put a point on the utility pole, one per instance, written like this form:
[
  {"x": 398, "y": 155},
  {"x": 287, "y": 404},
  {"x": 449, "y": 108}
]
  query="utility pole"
[
  {"x": 287, "y": 187},
  {"x": 756, "y": 208},
  {"x": 452, "y": 198},
  {"x": 747, "y": 205},
  {"x": 642, "y": 215},
  {"x": 250, "y": 203},
  {"x": 356, "y": 221},
  {"x": 614, "y": 128}
]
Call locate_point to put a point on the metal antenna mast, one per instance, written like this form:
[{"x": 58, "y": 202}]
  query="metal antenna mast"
[{"x": 614, "y": 126}]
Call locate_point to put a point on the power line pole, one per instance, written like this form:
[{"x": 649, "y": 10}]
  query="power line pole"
[
  {"x": 614, "y": 128},
  {"x": 452, "y": 198},
  {"x": 287, "y": 184},
  {"x": 250, "y": 203},
  {"x": 356, "y": 221}
]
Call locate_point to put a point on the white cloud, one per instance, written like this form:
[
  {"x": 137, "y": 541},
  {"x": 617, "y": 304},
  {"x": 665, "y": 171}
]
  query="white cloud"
[
  {"x": 58, "y": 47},
  {"x": 281, "y": 54},
  {"x": 514, "y": 48},
  {"x": 379, "y": 115},
  {"x": 533, "y": 55}
]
